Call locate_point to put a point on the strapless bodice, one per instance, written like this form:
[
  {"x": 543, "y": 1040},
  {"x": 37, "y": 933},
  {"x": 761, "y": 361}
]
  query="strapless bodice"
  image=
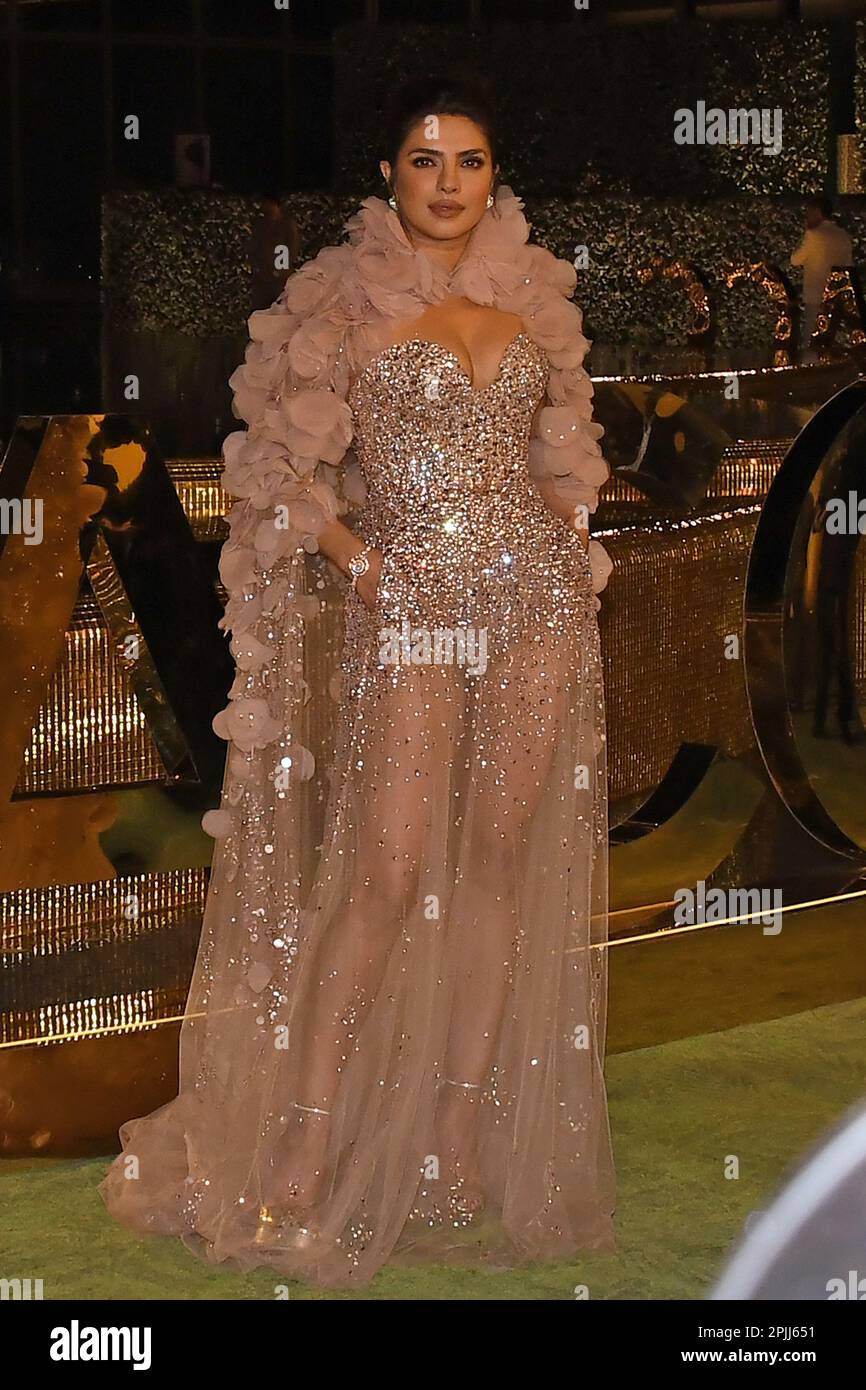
[
  {"x": 425, "y": 436},
  {"x": 466, "y": 536}
]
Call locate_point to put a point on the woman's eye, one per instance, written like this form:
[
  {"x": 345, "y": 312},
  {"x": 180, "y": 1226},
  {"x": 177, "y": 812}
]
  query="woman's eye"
[{"x": 423, "y": 159}]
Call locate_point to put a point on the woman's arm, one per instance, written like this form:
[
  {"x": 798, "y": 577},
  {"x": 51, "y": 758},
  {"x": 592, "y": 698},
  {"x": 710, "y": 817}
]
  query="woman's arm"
[{"x": 339, "y": 544}]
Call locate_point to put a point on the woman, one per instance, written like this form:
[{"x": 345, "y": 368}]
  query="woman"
[{"x": 405, "y": 1062}]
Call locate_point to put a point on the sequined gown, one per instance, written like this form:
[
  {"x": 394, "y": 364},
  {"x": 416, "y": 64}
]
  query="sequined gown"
[
  {"x": 461, "y": 901},
  {"x": 449, "y": 978}
]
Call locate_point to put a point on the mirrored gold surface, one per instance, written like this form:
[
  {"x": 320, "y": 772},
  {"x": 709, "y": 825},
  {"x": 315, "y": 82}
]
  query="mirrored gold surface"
[{"x": 103, "y": 872}]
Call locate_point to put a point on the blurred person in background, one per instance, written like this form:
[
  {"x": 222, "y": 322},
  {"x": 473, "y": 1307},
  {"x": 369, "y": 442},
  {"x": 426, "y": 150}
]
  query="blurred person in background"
[
  {"x": 824, "y": 245},
  {"x": 272, "y": 230}
]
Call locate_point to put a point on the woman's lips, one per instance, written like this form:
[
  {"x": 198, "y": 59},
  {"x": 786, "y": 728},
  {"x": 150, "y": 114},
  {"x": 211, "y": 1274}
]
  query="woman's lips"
[{"x": 446, "y": 209}]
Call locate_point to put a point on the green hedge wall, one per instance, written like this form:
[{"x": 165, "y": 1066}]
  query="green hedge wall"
[
  {"x": 177, "y": 261},
  {"x": 594, "y": 106},
  {"x": 587, "y": 126}
]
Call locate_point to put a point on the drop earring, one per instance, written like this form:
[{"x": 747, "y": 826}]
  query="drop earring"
[{"x": 490, "y": 200}]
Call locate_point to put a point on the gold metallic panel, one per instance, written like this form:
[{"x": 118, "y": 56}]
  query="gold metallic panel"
[
  {"x": 77, "y": 692},
  {"x": 849, "y": 167},
  {"x": 114, "y": 953},
  {"x": 90, "y": 730}
]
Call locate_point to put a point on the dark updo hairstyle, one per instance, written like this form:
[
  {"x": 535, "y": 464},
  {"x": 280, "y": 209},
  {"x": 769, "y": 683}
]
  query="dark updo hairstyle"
[
  {"x": 467, "y": 94},
  {"x": 822, "y": 203}
]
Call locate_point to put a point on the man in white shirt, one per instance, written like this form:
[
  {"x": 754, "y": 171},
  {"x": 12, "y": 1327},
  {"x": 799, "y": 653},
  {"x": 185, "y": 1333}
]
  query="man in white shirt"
[{"x": 824, "y": 245}]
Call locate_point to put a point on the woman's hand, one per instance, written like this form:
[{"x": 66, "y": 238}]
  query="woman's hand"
[{"x": 368, "y": 585}]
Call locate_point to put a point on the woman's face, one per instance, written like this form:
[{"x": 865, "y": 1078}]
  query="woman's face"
[{"x": 442, "y": 178}]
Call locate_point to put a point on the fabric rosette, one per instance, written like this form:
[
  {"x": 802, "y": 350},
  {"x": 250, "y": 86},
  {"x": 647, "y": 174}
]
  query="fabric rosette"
[
  {"x": 217, "y": 824},
  {"x": 247, "y": 723},
  {"x": 565, "y": 448},
  {"x": 601, "y": 566}
]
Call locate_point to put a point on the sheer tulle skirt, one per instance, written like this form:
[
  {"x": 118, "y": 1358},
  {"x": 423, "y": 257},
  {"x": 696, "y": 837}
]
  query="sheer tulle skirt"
[{"x": 422, "y": 1044}]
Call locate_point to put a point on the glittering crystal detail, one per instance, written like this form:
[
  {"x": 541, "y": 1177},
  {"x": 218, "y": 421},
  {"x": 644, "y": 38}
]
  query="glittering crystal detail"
[{"x": 456, "y": 924}]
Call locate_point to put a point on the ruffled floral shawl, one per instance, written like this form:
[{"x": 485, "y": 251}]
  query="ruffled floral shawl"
[{"x": 293, "y": 470}]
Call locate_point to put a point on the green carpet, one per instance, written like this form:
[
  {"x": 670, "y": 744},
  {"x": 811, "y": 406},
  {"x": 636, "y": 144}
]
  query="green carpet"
[{"x": 763, "y": 1093}]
